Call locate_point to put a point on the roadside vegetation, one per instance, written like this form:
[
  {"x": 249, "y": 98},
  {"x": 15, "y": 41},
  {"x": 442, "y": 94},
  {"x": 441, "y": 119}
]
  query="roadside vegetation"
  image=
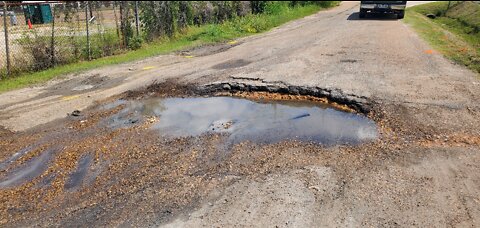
[
  {"x": 166, "y": 27},
  {"x": 453, "y": 30}
]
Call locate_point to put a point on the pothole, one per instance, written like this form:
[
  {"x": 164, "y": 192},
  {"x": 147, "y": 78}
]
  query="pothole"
[{"x": 259, "y": 121}]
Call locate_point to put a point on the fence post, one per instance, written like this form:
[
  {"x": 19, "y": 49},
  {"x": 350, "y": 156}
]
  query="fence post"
[
  {"x": 122, "y": 23},
  {"x": 5, "y": 24},
  {"x": 53, "y": 37},
  {"x": 88, "y": 32},
  {"x": 136, "y": 17},
  {"x": 116, "y": 21}
]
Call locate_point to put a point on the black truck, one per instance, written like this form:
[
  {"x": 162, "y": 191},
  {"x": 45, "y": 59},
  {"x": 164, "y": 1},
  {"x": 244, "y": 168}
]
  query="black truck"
[{"x": 395, "y": 7}]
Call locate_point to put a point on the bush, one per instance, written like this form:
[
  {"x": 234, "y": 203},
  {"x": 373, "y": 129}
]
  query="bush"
[
  {"x": 159, "y": 18},
  {"x": 135, "y": 43},
  {"x": 253, "y": 24},
  {"x": 223, "y": 11},
  {"x": 214, "y": 32},
  {"x": 202, "y": 12},
  {"x": 275, "y": 8},
  {"x": 109, "y": 43},
  {"x": 39, "y": 48},
  {"x": 327, "y": 4}
]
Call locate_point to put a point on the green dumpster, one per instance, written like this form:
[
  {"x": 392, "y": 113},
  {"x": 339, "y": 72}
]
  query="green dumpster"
[{"x": 38, "y": 14}]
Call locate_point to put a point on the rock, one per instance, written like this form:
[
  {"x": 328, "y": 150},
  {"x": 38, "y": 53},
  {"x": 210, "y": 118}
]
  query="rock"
[
  {"x": 221, "y": 125},
  {"x": 76, "y": 113},
  {"x": 293, "y": 90},
  {"x": 303, "y": 91},
  {"x": 324, "y": 93},
  {"x": 227, "y": 87},
  {"x": 283, "y": 89},
  {"x": 152, "y": 119},
  {"x": 262, "y": 88},
  {"x": 133, "y": 120},
  {"x": 273, "y": 89},
  {"x": 336, "y": 95}
]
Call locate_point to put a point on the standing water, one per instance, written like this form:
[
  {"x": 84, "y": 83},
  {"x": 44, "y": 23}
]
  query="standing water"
[{"x": 242, "y": 119}]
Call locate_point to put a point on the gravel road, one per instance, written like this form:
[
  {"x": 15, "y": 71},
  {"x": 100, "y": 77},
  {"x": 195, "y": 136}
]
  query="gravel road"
[{"x": 423, "y": 171}]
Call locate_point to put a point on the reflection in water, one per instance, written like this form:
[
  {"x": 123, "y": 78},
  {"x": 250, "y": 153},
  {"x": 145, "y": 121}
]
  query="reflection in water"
[
  {"x": 28, "y": 171},
  {"x": 4, "y": 164},
  {"x": 266, "y": 122}
]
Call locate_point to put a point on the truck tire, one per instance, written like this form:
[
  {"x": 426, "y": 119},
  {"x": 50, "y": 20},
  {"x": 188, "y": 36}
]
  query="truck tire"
[{"x": 401, "y": 15}]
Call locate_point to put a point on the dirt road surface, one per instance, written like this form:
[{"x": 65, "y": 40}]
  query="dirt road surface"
[{"x": 423, "y": 170}]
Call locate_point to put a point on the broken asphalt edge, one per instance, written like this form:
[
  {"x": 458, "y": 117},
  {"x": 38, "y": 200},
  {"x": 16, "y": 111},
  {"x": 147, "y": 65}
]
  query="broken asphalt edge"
[{"x": 360, "y": 104}]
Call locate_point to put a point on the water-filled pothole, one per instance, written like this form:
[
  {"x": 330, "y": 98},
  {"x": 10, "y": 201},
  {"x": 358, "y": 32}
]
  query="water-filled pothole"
[
  {"x": 76, "y": 178},
  {"x": 242, "y": 119},
  {"x": 29, "y": 170}
]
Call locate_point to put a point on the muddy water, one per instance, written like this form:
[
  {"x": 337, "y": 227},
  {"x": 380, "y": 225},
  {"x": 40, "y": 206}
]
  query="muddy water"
[
  {"x": 4, "y": 164},
  {"x": 28, "y": 171},
  {"x": 76, "y": 178},
  {"x": 260, "y": 122}
]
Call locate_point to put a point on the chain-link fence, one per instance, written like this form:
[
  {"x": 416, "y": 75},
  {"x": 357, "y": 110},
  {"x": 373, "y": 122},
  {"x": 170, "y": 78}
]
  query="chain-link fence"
[{"x": 37, "y": 36}]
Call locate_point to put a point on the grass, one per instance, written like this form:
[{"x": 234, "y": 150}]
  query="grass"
[
  {"x": 455, "y": 33},
  {"x": 193, "y": 36}
]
